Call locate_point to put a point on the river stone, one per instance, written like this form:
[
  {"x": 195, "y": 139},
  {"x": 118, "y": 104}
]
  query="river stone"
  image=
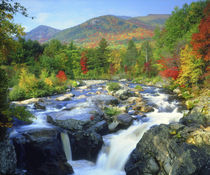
[
  {"x": 103, "y": 99},
  {"x": 38, "y": 105},
  {"x": 123, "y": 94},
  {"x": 125, "y": 119},
  {"x": 85, "y": 145},
  {"x": 8, "y": 159},
  {"x": 65, "y": 97},
  {"x": 166, "y": 146},
  {"x": 40, "y": 151}
]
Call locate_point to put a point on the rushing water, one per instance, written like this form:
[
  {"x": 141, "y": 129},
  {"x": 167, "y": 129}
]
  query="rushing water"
[{"x": 118, "y": 146}]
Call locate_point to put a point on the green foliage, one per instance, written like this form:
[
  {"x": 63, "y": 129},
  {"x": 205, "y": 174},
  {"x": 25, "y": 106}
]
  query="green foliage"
[
  {"x": 111, "y": 111},
  {"x": 138, "y": 87},
  {"x": 113, "y": 86}
]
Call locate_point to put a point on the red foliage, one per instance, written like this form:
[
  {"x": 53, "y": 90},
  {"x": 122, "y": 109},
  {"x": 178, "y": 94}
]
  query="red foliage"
[
  {"x": 172, "y": 72},
  {"x": 126, "y": 69},
  {"x": 61, "y": 76},
  {"x": 83, "y": 63},
  {"x": 170, "y": 68},
  {"x": 201, "y": 40},
  {"x": 147, "y": 66}
]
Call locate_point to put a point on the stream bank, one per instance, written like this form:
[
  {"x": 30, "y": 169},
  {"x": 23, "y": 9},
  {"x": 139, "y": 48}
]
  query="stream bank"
[{"x": 99, "y": 138}]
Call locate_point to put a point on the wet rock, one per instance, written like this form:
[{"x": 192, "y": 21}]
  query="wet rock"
[
  {"x": 65, "y": 97},
  {"x": 8, "y": 159},
  {"x": 38, "y": 105},
  {"x": 40, "y": 152},
  {"x": 123, "y": 94},
  {"x": 76, "y": 117},
  {"x": 163, "y": 150},
  {"x": 103, "y": 100},
  {"x": 85, "y": 145},
  {"x": 26, "y": 102},
  {"x": 100, "y": 128},
  {"x": 125, "y": 120}
]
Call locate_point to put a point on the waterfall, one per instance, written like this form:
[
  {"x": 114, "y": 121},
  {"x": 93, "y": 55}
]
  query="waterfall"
[
  {"x": 66, "y": 146},
  {"x": 122, "y": 145}
]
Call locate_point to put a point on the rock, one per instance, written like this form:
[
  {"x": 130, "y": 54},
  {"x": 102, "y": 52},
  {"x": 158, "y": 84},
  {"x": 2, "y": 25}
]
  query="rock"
[
  {"x": 80, "y": 116},
  {"x": 195, "y": 119},
  {"x": 146, "y": 109},
  {"x": 85, "y": 145},
  {"x": 8, "y": 159},
  {"x": 103, "y": 100},
  {"x": 83, "y": 87},
  {"x": 123, "y": 94},
  {"x": 163, "y": 150},
  {"x": 26, "y": 102},
  {"x": 125, "y": 120},
  {"x": 38, "y": 105},
  {"x": 81, "y": 96},
  {"x": 100, "y": 128},
  {"x": 113, "y": 126},
  {"x": 65, "y": 97},
  {"x": 122, "y": 80},
  {"x": 40, "y": 152}
]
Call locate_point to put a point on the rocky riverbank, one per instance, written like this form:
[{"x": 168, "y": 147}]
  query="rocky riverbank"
[
  {"x": 176, "y": 149},
  {"x": 91, "y": 111}
]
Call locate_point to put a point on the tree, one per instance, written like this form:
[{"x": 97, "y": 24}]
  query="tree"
[
  {"x": 102, "y": 56},
  {"x": 130, "y": 56},
  {"x": 190, "y": 68},
  {"x": 8, "y": 29},
  {"x": 83, "y": 63}
]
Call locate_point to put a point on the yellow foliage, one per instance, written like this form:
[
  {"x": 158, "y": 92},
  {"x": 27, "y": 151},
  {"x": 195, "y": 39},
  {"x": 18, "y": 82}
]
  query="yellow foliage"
[
  {"x": 191, "y": 68},
  {"x": 48, "y": 81},
  {"x": 27, "y": 80}
]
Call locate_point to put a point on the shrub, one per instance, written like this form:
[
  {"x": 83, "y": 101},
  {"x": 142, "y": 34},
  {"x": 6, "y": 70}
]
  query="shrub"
[
  {"x": 113, "y": 86},
  {"x": 111, "y": 111},
  {"x": 138, "y": 87},
  {"x": 17, "y": 93}
]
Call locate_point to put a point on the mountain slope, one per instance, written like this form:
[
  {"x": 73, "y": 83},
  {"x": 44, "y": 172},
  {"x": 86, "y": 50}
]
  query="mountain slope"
[
  {"x": 153, "y": 19},
  {"x": 41, "y": 33},
  {"x": 114, "y": 29}
]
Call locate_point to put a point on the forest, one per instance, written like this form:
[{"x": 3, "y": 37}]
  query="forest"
[{"x": 178, "y": 52}]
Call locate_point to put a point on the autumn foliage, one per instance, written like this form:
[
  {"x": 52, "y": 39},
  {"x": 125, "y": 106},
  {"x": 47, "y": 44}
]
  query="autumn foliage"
[
  {"x": 169, "y": 67},
  {"x": 83, "y": 63},
  {"x": 61, "y": 76}
]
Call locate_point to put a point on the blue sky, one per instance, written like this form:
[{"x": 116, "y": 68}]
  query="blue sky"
[{"x": 63, "y": 14}]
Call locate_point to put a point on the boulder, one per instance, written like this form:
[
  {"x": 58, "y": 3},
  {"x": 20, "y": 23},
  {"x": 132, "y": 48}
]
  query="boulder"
[
  {"x": 163, "y": 150},
  {"x": 38, "y": 105},
  {"x": 123, "y": 94},
  {"x": 8, "y": 159},
  {"x": 103, "y": 100},
  {"x": 76, "y": 117},
  {"x": 85, "y": 145},
  {"x": 125, "y": 120},
  {"x": 41, "y": 152},
  {"x": 65, "y": 97}
]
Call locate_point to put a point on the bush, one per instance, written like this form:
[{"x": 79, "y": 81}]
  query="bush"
[
  {"x": 113, "y": 86},
  {"x": 17, "y": 93},
  {"x": 138, "y": 87},
  {"x": 111, "y": 111}
]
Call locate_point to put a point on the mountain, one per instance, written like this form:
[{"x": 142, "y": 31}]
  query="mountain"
[
  {"x": 114, "y": 29},
  {"x": 153, "y": 19},
  {"x": 117, "y": 30},
  {"x": 41, "y": 33}
]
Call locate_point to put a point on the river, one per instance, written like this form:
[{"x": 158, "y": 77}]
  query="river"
[{"x": 118, "y": 146}]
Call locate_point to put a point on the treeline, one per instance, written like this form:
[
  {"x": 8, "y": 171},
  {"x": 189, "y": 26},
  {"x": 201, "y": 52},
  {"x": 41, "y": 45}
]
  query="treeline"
[{"x": 179, "y": 51}]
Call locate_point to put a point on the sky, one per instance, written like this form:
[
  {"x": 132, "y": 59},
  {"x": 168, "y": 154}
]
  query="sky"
[{"x": 62, "y": 14}]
